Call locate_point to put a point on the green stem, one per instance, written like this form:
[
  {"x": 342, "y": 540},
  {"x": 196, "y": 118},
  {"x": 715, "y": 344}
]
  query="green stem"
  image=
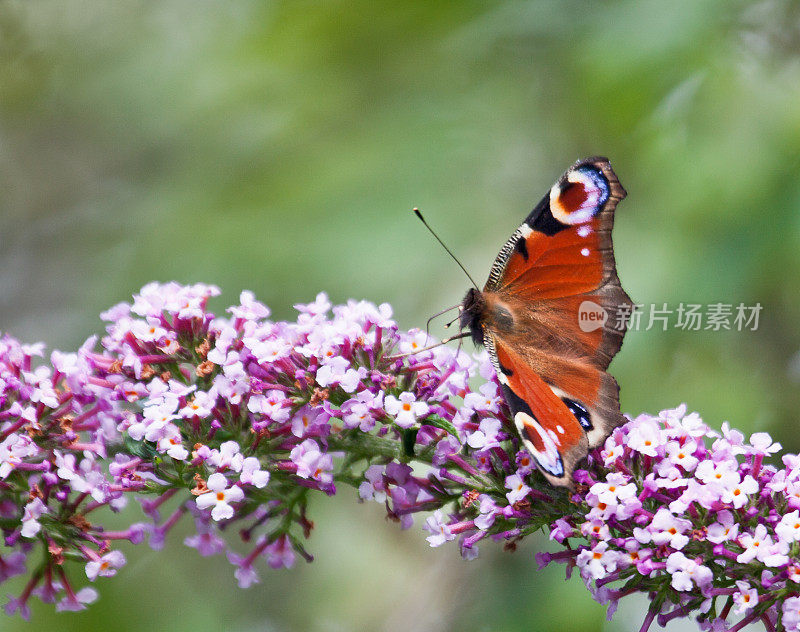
[{"x": 368, "y": 446}]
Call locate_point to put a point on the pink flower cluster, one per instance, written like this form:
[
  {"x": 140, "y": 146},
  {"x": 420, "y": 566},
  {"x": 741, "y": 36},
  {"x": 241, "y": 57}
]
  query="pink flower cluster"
[
  {"x": 693, "y": 517},
  {"x": 240, "y": 418},
  {"x": 54, "y": 424},
  {"x": 224, "y": 419}
]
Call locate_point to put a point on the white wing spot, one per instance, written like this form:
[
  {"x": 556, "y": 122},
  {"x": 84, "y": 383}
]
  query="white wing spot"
[
  {"x": 585, "y": 252},
  {"x": 525, "y": 231},
  {"x": 584, "y": 231},
  {"x": 560, "y": 429}
]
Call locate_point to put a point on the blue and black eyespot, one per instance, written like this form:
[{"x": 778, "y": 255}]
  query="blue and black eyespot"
[
  {"x": 580, "y": 412},
  {"x": 579, "y": 196},
  {"x": 575, "y": 199}
]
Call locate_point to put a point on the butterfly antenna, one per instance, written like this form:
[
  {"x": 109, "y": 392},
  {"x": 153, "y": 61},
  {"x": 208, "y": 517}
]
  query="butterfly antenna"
[
  {"x": 463, "y": 334},
  {"x": 450, "y": 324},
  {"x": 447, "y": 250},
  {"x": 436, "y": 315}
]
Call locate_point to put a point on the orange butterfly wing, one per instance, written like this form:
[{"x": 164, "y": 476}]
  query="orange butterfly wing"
[{"x": 556, "y": 442}]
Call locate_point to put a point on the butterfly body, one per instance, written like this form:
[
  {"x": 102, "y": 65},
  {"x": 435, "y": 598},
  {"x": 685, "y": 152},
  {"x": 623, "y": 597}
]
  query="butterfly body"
[{"x": 556, "y": 268}]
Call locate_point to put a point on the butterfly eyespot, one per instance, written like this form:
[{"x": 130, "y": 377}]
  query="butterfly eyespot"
[
  {"x": 540, "y": 444},
  {"x": 580, "y": 412},
  {"x": 579, "y": 199}
]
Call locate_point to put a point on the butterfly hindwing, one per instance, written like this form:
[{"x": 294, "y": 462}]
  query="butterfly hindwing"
[{"x": 548, "y": 428}]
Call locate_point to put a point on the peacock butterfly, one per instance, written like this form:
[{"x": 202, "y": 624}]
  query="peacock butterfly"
[{"x": 557, "y": 268}]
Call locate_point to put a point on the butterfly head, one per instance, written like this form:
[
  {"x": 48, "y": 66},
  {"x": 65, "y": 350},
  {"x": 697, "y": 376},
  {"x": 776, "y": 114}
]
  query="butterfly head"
[
  {"x": 486, "y": 310},
  {"x": 473, "y": 308}
]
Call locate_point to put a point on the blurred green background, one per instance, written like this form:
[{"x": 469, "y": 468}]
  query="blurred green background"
[{"x": 279, "y": 147}]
